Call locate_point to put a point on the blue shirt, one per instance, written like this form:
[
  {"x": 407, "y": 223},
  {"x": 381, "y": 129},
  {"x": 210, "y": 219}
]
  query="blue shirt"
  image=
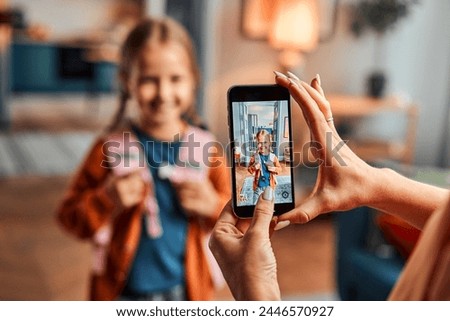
[
  {"x": 159, "y": 263},
  {"x": 264, "y": 178}
]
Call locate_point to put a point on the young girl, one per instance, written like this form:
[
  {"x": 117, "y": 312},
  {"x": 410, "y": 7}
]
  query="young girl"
[
  {"x": 150, "y": 190},
  {"x": 264, "y": 165}
]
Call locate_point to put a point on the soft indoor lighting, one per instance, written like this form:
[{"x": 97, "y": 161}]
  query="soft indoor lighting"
[
  {"x": 294, "y": 30},
  {"x": 257, "y": 16}
]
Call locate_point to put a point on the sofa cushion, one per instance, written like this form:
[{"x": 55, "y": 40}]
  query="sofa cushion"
[
  {"x": 372, "y": 277},
  {"x": 399, "y": 233},
  {"x": 376, "y": 242}
]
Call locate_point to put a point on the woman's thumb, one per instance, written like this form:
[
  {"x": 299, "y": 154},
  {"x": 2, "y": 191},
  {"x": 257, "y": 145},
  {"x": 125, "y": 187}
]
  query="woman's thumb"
[{"x": 262, "y": 216}]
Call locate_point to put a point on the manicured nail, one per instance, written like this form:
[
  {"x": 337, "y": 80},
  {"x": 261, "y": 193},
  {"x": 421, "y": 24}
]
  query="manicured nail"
[
  {"x": 279, "y": 74},
  {"x": 292, "y": 75},
  {"x": 292, "y": 82},
  {"x": 318, "y": 80},
  {"x": 281, "y": 225},
  {"x": 273, "y": 222},
  {"x": 268, "y": 193}
]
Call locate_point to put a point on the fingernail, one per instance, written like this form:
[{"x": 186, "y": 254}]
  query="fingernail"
[
  {"x": 268, "y": 193},
  {"x": 292, "y": 82},
  {"x": 318, "y": 80},
  {"x": 281, "y": 225},
  {"x": 279, "y": 74},
  {"x": 292, "y": 75},
  {"x": 274, "y": 220}
]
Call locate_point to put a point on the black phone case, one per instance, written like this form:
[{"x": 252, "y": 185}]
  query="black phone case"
[{"x": 257, "y": 93}]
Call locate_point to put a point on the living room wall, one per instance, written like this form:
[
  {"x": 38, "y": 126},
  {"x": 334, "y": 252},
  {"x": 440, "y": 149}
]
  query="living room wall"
[
  {"x": 417, "y": 63},
  {"x": 84, "y": 14},
  {"x": 417, "y": 59}
]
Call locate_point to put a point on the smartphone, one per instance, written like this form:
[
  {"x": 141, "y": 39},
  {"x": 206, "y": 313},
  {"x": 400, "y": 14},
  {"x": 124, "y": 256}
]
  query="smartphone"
[{"x": 259, "y": 119}]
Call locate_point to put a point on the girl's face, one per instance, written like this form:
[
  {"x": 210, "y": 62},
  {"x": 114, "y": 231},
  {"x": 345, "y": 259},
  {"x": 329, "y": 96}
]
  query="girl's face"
[
  {"x": 163, "y": 83},
  {"x": 263, "y": 144}
]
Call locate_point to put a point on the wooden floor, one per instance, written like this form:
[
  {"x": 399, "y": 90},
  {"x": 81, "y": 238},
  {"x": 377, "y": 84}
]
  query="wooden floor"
[{"x": 38, "y": 261}]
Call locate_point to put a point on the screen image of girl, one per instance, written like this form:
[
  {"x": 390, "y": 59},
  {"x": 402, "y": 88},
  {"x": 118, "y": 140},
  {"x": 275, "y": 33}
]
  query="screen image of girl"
[
  {"x": 261, "y": 133},
  {"x": 264, "y": 165}
]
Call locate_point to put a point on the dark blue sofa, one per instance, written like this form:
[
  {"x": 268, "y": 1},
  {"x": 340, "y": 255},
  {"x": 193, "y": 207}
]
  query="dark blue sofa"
[{"x": 361, "y": 273}]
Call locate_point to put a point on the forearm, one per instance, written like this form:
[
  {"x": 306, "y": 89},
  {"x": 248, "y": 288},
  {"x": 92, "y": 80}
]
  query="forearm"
[
  {"x": 251, "y": 165},
  {"x": 246, "y": 286},
  {"x": 410, "y": 200},
  {"x": 263, "y": 290}
]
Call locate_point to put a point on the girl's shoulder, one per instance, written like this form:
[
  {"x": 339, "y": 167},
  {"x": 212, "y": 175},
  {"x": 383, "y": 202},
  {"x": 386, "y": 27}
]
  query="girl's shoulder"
[
  {"x": 120, "y": 133},
  {"x": 272, "y": 157},
  {"x": 199, "y": 134},
  {"x": 196, "y": 129}
]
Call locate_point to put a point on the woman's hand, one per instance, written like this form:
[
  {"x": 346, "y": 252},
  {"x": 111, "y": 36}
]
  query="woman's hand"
[
  {"x": 198, "y": 198},
  {"x": 128, "y": 190},
  {"x": 344, "y": 180},
  {"x": 244, "y": 251}
]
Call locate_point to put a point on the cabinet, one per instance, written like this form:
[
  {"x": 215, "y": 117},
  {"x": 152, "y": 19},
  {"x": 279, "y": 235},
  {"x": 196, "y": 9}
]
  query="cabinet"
[
  {"x": 350, "y": 109},
  {"x": 53, "y": 67}
]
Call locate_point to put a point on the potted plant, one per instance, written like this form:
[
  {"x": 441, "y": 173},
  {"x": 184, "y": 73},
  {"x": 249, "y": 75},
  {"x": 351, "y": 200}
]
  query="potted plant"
[{"x": 379, "y": 16}]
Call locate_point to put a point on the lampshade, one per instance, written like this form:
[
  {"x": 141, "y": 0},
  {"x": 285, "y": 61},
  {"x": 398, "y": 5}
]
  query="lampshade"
[
  {"x": 257, "y": 15},
  {"x": 295, "y": 25}
]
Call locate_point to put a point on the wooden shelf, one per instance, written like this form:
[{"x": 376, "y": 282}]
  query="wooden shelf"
[
  {"x": 361, "y": 106},
  {"x": 352, "y": 108}
]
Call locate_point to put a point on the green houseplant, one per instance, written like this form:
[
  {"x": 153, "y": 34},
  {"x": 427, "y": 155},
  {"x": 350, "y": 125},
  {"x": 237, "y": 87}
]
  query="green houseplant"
[{"x": 379, "y": 16}]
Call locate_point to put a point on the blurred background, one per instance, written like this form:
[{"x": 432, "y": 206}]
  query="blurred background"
[{"x": 384, "y": 64}]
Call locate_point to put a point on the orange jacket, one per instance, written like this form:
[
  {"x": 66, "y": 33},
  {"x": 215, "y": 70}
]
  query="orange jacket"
[
  {"x": 87, "y": 207},
  {"x": 272, "y": 179}
]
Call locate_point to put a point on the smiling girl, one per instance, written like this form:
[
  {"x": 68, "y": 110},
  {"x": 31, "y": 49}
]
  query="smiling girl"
[
  {"x": 149, "y": 220},
  {"x": 264, "y": 165}
]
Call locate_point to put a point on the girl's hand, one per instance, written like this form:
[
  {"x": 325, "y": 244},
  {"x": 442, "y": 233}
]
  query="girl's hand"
[
  {"x": 128, "y": 190},
  {"x": 198, "y": 198},
  {"x": 344, "y": 180}
]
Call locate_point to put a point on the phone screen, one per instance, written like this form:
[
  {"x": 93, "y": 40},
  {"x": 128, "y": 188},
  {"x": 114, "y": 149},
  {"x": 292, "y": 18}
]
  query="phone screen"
[{"x": 261, "y": 146}]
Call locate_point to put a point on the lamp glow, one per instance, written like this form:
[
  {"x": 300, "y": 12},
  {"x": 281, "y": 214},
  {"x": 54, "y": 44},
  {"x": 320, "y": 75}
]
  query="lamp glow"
[{"x": 294, "y": 30}]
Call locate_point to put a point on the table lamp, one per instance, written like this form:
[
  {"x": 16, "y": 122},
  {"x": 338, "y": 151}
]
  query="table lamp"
[{"x": 294, "y": 30}]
